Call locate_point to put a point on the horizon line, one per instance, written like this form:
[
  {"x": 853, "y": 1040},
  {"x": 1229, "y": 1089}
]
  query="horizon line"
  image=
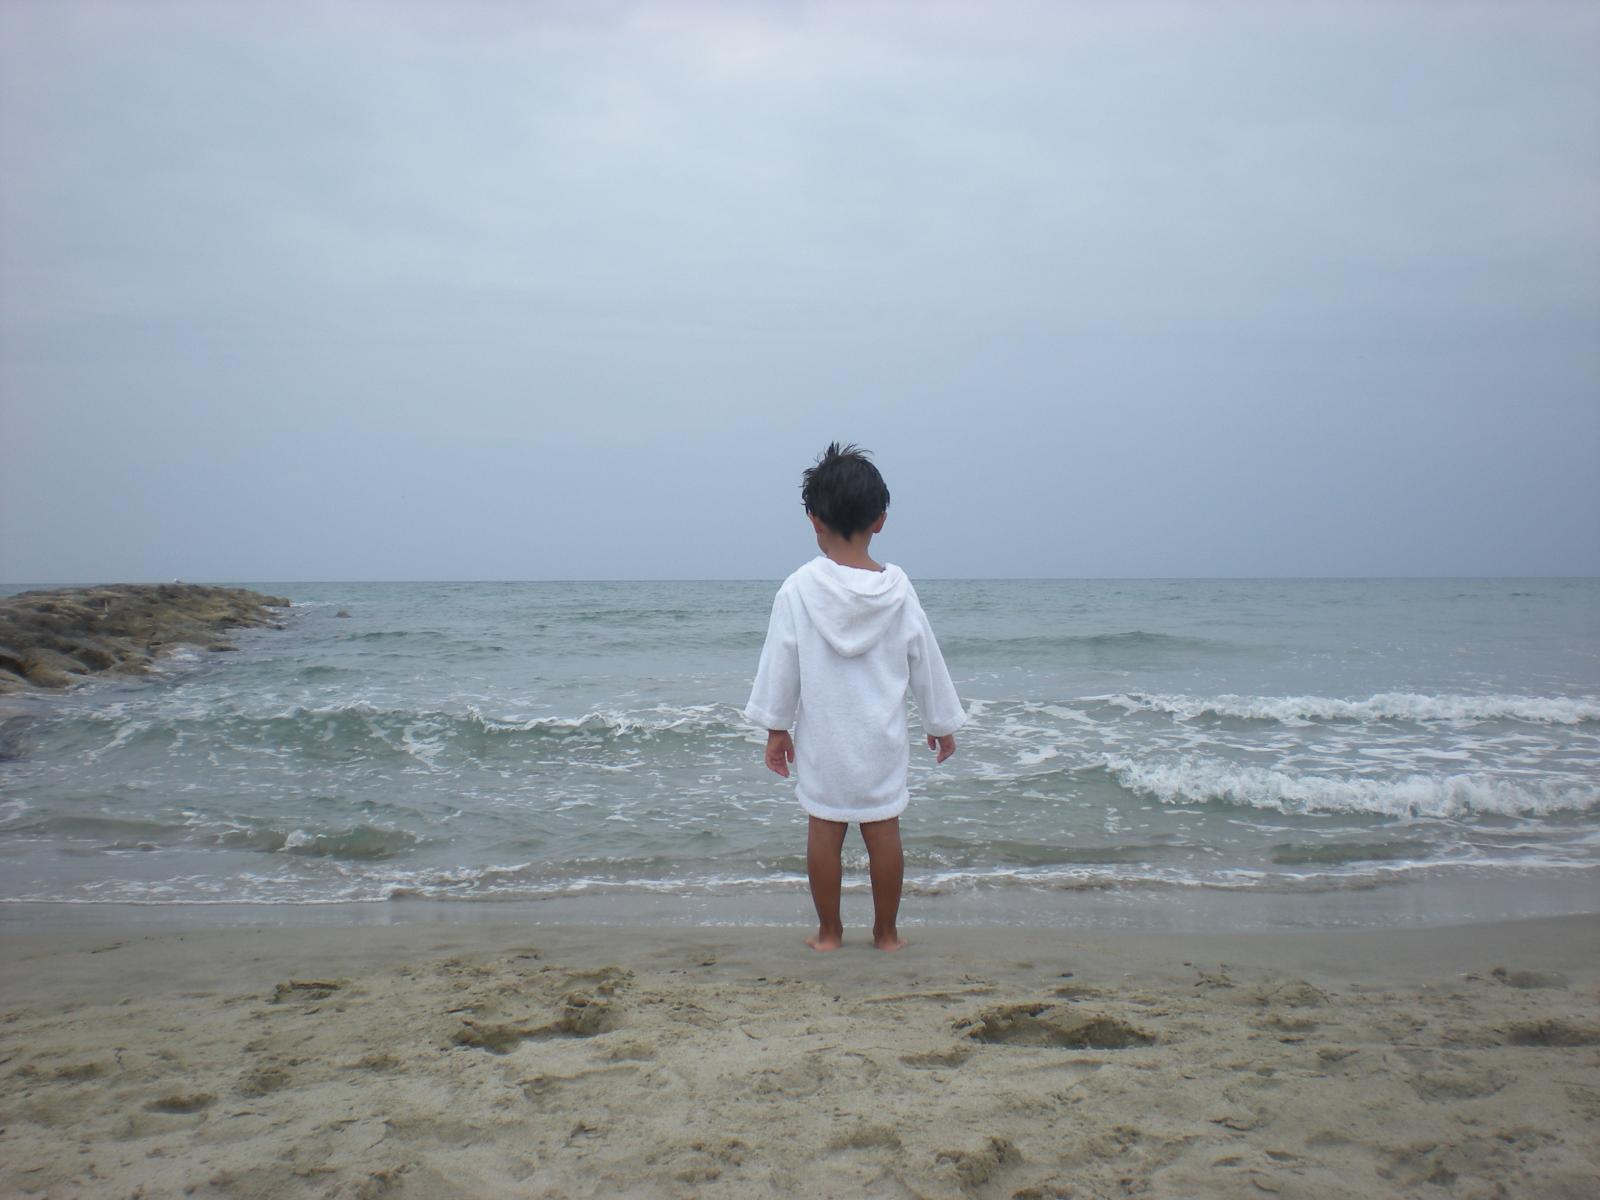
[{"x": 769, "y": 579}]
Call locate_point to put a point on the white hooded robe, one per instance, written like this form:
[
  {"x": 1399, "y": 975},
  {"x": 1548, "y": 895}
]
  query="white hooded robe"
[{"x": 843, "y": 647}]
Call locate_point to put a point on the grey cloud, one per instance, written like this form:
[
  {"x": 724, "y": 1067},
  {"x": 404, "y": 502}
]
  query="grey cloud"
[{"x": 506, "y": 291}]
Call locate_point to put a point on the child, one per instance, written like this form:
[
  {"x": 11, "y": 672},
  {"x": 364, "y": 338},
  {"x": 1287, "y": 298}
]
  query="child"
[{"x": 847, "y": 638}]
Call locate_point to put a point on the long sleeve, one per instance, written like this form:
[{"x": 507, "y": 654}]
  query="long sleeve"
[
  {"x": 931, "y": 685},
  {"x": 775, "y": 695}
]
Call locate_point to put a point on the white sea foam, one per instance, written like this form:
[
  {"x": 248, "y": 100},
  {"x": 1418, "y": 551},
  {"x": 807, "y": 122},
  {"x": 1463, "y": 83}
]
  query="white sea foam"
[
  {"x": 1387, "y": 706},
  {"x": 421, "y": 747},
  {"x": 654, "y": 720},
  {"x": 1191, "y": 780},
  {"x": 176, "y": 658}
]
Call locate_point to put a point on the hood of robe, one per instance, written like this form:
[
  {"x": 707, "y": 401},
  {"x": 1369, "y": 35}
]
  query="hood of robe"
[{"x": 852, "y": 608}]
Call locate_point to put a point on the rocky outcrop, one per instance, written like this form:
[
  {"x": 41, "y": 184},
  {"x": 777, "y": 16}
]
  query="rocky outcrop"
[{"x": 53, "y": 639}]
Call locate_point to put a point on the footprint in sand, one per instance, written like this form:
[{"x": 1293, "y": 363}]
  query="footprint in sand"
[
  {"x": 1530, "y": 979},
  {"x": 74, "y": 1073},
  {"x": 263, "y": 1080},
  {"x": 975, "y": 1167},
  {"x": 584, "y": 1016},
  {"x": 1295, "y": 993},
  {"x": 377, "y": 1062},
  {"x": 871, "y": 1137},
  {"x": 1445, "y": 1086},
  {"x": 1076, "y": 991},
  {"x": 305, "y": 989},
  {"x": 496, "y": 1039},
  {"x": 1052, "y": 1025},
  {"x": 580, "y": 1016},
  {"x": 936, "y": 1059},
  {"x": 706, "y": 1160},
  {"x": 629, "y": 1052},
  {"x": 1551, "y": 1031},
  {"x": 603, "y": 981},
  {"x": 180, "y": 1102}
]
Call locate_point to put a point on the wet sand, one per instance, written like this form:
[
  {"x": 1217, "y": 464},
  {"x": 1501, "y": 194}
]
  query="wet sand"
[{"x": 164, "y": 1057}]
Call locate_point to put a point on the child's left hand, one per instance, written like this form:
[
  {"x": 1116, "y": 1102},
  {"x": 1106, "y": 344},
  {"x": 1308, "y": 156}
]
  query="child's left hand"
[
  {"x": 945, "y": 745},
  {"x": 780, "y": 751}
]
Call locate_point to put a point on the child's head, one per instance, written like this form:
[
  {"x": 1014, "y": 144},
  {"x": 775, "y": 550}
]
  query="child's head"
[{"x": 844, "y": 490}]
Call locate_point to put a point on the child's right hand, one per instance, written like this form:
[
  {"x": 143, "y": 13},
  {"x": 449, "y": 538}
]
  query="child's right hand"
[
  {"x": 780, "y": 751},
  {"x": 944, "y": 744}
]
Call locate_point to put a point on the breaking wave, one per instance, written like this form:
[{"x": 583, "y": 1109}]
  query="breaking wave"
[
  {"x": 359, "y": 843},
  {"x": 1203, "y": 780},
  {"x": 1387, "y": 706},
  {"x": 340, "y": 730}
]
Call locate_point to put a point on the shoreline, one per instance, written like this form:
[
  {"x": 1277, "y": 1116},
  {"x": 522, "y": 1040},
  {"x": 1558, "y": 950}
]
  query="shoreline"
[
  {"x": 1567, "y": 943},
  {"x": 429, "y": 1059},
  {"x": 1457, "y": 899}
]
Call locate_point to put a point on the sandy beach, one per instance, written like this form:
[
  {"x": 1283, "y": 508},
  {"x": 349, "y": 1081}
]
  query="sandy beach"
[{"x": 167, "y": 1057}]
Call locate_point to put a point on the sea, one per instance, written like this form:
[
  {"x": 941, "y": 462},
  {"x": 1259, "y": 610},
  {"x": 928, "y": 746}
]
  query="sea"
[{"x": 1137, "y": 752}]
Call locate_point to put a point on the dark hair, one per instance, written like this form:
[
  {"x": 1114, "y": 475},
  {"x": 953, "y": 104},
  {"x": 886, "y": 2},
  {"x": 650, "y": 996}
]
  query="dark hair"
[{"x": 844, "y": 490}]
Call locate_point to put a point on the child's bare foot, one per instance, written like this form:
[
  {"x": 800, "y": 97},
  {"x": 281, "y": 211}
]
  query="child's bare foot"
[
  {"x": 826, "y": 939},
  {"x": 888, "y": 940}
]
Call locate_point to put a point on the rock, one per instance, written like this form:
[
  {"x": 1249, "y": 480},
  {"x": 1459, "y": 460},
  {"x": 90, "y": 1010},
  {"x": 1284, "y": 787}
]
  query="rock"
[
  {"x": 57, "y": 637},
  {"x": 341, "y": 613},
  {"x": 44, "y": 656},
  {"x": 95, "y": 655},
  {"x": 11, "y": 660},
  {"x": 51, "y": 668},
  {"x": 49, "y": 677}
]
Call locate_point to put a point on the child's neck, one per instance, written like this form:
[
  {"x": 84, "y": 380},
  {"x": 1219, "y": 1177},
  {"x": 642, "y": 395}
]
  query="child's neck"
[{"x": 849, "y": 552}]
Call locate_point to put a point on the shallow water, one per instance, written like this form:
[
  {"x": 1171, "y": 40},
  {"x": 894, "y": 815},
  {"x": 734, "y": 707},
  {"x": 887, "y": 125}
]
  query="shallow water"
[{"x": 480, "y": 741}]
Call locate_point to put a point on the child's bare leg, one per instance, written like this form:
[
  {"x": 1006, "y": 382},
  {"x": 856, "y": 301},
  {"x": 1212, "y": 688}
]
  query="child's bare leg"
[
  {"x": 824, "y": 844},
  {"x": 887, "y": 867}
]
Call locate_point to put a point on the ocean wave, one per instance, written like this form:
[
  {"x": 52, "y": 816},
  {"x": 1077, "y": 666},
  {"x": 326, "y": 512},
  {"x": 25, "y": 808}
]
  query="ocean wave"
[
  {"x": 114, "y": 830},
  {"x": 1335, "y": 853},
  {"x": 390, "y": 635},
  {"x": 1203, "y": 780},
  {"x": 1128, "y": 641},
  {"x": 515, "y": 884},
  {"x": 358, "y": 843},
  {"x": 629, "y": 615},
  {"x": 339, "y": 731},
  {"x": 1386, "y": 706}
]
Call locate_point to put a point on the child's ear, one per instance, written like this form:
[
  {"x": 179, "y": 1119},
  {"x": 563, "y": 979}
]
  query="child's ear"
[{"x": 877, "y": 526}]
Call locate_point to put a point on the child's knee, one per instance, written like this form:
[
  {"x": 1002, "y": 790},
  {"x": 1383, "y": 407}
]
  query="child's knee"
[{"x": 881, "y": 834}]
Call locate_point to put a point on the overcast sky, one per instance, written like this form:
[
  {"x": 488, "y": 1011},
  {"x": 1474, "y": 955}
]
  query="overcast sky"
[{"x": 510, "y": 291}]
